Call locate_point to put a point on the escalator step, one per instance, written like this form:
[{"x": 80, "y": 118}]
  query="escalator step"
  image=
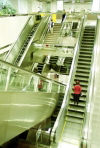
[
  {"x": 84, "y": 63},
  {"x": 82, "y": 75},
  {"x": 76, "y": 108},
  {"x": 72, "y": 113},
  {"x": 86, "y": 52},
  {"x": 88, "y": 36},
  {"x": 86, "y": 48},
  {"x": 85, "y": 67},
  {"x": 73, "y": 126},
  {"x": 81, "y": 103},
  {"x": 85, "y": 60},
  {"x": 81, "y": 79},
  {"x": 85, "y": 56},
  {"x": 83, "y": 71},
  {"x": 82, "y": 99},
  {"x": 84, "y": 84},
  {"x": 74, "y": 119}
]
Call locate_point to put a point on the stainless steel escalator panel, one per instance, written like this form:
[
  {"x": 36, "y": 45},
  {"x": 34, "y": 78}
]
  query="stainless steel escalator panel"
[
  {"x": 20, "y": 107},
  {"x": 20, "y": 111}
]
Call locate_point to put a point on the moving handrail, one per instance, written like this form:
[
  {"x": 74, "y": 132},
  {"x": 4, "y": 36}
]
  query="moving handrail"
[{"x": 68, "y": 88}]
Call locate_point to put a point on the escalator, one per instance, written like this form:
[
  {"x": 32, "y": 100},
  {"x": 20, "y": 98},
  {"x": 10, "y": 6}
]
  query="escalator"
[
  {"x": 21, "y": 46},
  {"x": 22, "y": 103},
  {"x": 75, "y": 116},
  {"x": 22, "y": 52},
  {"x": 25, "y": 44}
]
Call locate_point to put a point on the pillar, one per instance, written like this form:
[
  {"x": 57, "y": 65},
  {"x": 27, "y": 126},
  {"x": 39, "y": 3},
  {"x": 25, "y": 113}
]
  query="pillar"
[
  {"x": 60, "y": 5},
  {"x": 96, "y": 6},
  {"x": 22, "y": 6}
]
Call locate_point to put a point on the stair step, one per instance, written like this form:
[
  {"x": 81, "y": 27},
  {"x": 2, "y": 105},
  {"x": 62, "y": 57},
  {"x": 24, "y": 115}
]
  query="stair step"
[
  {"x": 84, "y": 60},
  {"x": 82, "y": 74},
  {"x": 76, "y": 108},
  {"x": 73, "y": 126},
  {"x": 85, "y": 67},
  {"x": 90, "y": 35},
  {"x": 85, "y": 52},
  {"x": 74, "y": 119},
  {"x": 81, "y": 103},
  {"x": 81, "y": 79},
  {"x": 82, "y": 99},
  {"x": 73, "y": 113},
  {"x": 88, "y": 41},
  {"x": 86, "y": 48},
  {"x": 85, "y": 55},
  {"x": 89, "y": 30}
]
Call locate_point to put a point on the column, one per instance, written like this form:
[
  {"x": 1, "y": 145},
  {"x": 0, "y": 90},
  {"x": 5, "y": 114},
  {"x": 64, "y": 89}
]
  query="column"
[
  {"x": 60, "y": 5},
  {"x": 23, "y": 6},
  {"x": 96, "y": 5}
]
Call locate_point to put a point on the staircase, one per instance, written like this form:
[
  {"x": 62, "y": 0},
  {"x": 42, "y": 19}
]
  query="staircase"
[
  {"x": 76, "y": 113},
  {"x": 26, "y": 43},
  {"x": 51, "y": 38}
]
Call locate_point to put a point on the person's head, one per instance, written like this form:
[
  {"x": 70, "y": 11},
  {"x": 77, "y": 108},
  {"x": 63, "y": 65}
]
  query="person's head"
[{"x": 77, "y": 82}]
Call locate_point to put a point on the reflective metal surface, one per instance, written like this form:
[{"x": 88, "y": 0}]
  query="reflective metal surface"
[
  {"x": 20, "y": 111},
  {"x": 23, "y": 103}
]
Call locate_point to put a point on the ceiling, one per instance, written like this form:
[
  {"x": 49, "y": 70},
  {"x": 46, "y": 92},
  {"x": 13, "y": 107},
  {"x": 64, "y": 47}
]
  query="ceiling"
[{"x": 67, "y": 1}]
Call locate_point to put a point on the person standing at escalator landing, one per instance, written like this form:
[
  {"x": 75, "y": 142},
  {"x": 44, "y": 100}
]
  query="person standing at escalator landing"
[
  {"x": 63, "y": 16},
  {"x": 77, "y": 92}
]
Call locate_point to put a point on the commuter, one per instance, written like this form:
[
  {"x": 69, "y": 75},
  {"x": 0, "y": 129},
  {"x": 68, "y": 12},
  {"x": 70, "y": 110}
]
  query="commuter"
[
  {"x": 51, "y": 26},
  {"x": 63, "y": 16},
  {"x": 77, "y": 92},
  {"x": 40, "y": 85}
]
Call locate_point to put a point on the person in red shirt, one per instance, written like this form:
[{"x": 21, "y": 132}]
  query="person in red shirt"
[{"x": 77, "y": 92}]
